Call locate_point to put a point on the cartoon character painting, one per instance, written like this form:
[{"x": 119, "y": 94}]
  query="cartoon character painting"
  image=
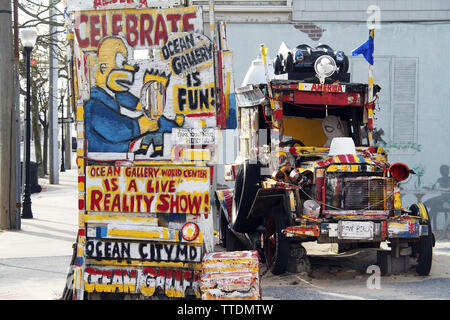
[
  {"x": 114, "y": 117},
  {"x": 108, "y": 128},
  {"x": 136, "y": 102}
]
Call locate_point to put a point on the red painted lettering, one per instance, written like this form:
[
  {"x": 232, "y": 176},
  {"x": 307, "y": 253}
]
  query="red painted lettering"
[
  {"x": 104, "y": 26},
  {"x": 116, "y": 24},
  {"x": 174, "y": 204},
  {"x": 164, "y": 205},
  {"x": 96, "y": 197},
  {"x": 95, "y": 30},
  {"x": 138, "y": 202},
  {"x": 161, "y": 30},
  {"x": 172, "y": 186},
  {"x": 194, "y": 204},
  {"x": 116, "y": 203},
  {"x": 131, "y": 29},
  {"x": 125, "y": 207},
  {"x": 173, "y": 18},
  {"x": 79, "y": 24},
  {"x": 115, "y": 186},
  {"x": 186, "y": 24},
  {"x": 148, "y": 202},
  {"x": 132, "y": 186},
  {"x": 106, "y": 184},
  {"x": 146, "y": 29}
]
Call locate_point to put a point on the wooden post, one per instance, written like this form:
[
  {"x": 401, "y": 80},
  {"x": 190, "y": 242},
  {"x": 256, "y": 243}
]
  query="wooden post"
[{"x": 7, "y": 119}]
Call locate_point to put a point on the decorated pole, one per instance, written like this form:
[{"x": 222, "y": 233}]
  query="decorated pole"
[
  {"x": 367, "y": 49},
  {"x": 370, "y": 105}
]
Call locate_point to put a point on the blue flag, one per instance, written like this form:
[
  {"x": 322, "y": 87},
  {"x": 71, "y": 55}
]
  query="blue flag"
[{"x": 366, "y": 49}]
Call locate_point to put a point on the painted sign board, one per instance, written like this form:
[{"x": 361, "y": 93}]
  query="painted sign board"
[
  {"x": 143, "y": 74},
  {"x": 77, "y": 5},
  {"x": 144, "y": 86},
  {"x": 151, "y": 189},
  {"x": 195, "y": 136},
  {"x": 145, "y": 281},
  {"x": 142, "y": 29},
  {"x": 144, "y": 251}
]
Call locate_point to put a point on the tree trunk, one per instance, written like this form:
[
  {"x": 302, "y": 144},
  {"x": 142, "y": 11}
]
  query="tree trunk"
[{"x": 36, "y": 129}]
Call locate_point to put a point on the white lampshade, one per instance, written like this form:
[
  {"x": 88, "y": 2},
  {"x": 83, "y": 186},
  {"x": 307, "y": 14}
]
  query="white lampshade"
[
  {"x": 342, "y": 146},
  {"x": 28, "y": 37},
  {"x": 256, "y": 74}
]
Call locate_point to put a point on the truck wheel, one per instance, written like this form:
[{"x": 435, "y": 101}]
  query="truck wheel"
[
  {"x": 425, "y": 255},
  {"x": 245, "y": 190},
  {"x": 232, "y": 243},
  {"x": 276, "y": 245},
  {"x": 223, "y": 229},
  {"x": 426, "y": 243}
]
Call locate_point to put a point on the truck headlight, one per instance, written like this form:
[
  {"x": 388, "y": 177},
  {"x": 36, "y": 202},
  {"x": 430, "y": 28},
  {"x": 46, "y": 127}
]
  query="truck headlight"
[
  {"x": 340, "y": 56},
  {"x": 325, "y": 66},
  {"x": 298, "y": 56}
]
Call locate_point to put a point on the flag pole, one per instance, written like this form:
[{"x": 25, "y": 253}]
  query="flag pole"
[{"x": 370, "y": 105}]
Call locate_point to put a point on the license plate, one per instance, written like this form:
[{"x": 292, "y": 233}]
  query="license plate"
[{"x": 355, "y": 230}]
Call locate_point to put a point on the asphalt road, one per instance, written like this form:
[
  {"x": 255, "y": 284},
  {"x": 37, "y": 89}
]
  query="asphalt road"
[
  {"x": 344, "y": 277},
  {"x": 333, "y": 277}
]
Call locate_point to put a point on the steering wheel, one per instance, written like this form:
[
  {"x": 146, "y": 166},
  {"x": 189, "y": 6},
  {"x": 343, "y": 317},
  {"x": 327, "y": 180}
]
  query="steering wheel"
[{"x": 291, "y": 143}]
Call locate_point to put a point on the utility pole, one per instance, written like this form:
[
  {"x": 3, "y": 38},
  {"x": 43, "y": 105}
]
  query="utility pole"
[
  {"x": 53, "y": 100},
  {"x": 7, "y": 159},
  {"x": 19, "y": 169}
]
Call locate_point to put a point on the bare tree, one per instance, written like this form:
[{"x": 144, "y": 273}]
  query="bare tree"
[{"x": 36, "y": 13}]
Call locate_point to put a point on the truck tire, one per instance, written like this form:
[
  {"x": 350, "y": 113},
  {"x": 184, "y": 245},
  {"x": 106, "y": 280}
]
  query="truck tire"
[
  {"x": 426, "y": 243},
  {"x": 425, "y": 258},
  {"x": 276, "y": 245},
  {"x": 245, "y": 190},
  {"x": 223, "y": 229},
  {"x": 232, "y": 243}
]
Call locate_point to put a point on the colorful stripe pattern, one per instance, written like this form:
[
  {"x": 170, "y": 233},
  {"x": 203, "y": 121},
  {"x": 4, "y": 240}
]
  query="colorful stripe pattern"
[{"x": 231, "y": 276}]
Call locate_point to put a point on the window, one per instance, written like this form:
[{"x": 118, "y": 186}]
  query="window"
[
  {"x": 404, "y": 100},
  {"x": 396, "y": 109}
]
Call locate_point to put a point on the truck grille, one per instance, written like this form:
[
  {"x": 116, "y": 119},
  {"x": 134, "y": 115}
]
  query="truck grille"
[{"x": 344, "y": 192}]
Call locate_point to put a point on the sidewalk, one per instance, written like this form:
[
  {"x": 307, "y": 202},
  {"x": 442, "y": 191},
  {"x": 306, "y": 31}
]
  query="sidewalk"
[{"x": 34, "y": 260}]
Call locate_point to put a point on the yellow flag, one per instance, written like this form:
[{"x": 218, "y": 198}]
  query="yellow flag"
[{"x": 263, "y": 50}]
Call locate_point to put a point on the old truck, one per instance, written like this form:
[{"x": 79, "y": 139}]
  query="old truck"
[
  {"x": 149, "y": 90},
  {"x": 308, "y": 170}
]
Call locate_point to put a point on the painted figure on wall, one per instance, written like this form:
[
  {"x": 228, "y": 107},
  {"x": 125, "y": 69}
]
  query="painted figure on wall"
[
  {"x": 440, "y": 203},
  {"x": 108, "y": 127}
]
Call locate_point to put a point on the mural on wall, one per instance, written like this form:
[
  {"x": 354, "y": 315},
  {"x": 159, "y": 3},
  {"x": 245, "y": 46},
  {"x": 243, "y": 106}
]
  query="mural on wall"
[
  {"x": 133, "y": 104},
  {"x": 435, "y": 197},
  {"x": 313, "y": 31},
  {"x": 440, "y": 200}
]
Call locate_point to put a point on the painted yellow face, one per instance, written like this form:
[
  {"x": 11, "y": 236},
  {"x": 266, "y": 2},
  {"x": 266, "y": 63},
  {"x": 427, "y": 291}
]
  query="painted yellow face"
[{"x": 113, "y": 72}]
